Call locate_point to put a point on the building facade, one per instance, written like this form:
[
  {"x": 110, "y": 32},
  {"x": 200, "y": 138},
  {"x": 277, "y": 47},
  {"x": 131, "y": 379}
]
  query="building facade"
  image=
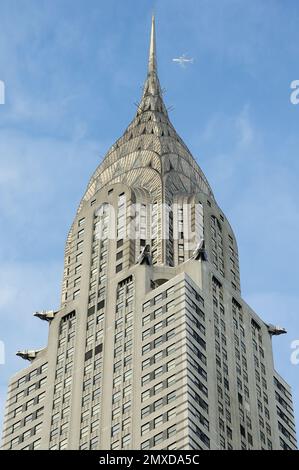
[{"x": 153, "y": 346}]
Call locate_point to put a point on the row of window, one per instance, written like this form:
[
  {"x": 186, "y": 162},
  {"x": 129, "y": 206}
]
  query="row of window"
[
  {"x": 28, "y": 377},
  {"x": 28, "y": 419},
  {"x": 122, "y": 371},
  {"x": 159, "y": 438}
]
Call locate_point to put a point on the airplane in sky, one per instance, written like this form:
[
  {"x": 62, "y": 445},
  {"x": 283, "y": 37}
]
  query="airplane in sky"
[{"x": 183, "y": 60}]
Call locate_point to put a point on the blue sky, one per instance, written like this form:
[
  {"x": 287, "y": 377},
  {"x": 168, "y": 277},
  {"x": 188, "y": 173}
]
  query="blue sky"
[{"x": 73, "y": 72}]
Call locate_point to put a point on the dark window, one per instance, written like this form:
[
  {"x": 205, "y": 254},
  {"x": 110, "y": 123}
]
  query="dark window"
[
  {"x": 68, "y": 316},
  {"x": 119, "y": 268},
  {"x": 255, "y": 324},
  {"x": 98, "y": 349},
  {"x": 119, "y": 243},
  {"x": 91, "y": 310},
  {"x": 119, "y": 255},
  {"x": 88, "y": 355},
  {"x": 101, "y": 304}
]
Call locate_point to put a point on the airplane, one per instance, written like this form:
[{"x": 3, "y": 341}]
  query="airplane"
[{"x": 183, "y": 60}]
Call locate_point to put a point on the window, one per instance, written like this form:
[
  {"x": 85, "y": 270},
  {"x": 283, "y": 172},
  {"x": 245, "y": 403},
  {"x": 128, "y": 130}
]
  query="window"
[
  {"x": 118, "y": 268},
  {"x": 158, "y": 421},
  {"x": 79, "y": 245},
  {"x": 145, "y": 445},
  {"x": 158, "y": 326},
  {"x": 170, "y": 334},
  {"x": 171, "y": 349},
  {"x": 126, "y": 440},
  {"x": 170, "y": 305},
  {"x": 146, "y": 363},
  {"x": 171, "y": 380},
  {"x": 146, "y": 334},
  {"x": 171, "y": 397},
  {"x": 68, "y": 382},
  {"x": 33, "y": 374},
  {"x": 54, "y": 433},
  {"x": 158, "y": 438},
  {"x": 171, "y": 414},
  {"x": 16, "y": 426},
  {"x": 146, "y": 378},
  {"x": 171, "y": 431},
  {"x": 170, "y": 320},
  {"x": 64, "y": 428},
  {"x": 115, "y": 430},
  {"x": 170, "y": 291},
  {"x": 42, "y": 382},
  {"x": 158, "y": 312},
  {"x": 127, "y": 375},
  {"x": 115, "y": 445},
  {"x": 127, "y": 391},
  {"x": 116, "y": 414},
  {"x": 14, "y": 442},
  {"x": 158, "y": 387},
  {"x": 146, "y": 348},
  {"x": 115, "y": 397},
  {"x": 126, "y": 406},
  {"x": 117, "y": 381},
  {"x": 65, "y": 412},
  {"x": 93, "y": 443},
  {"x": 145, "y": 428},
  {"x": 76, "y": 294},
  {"x": 18, "y": 411},
  {"x": 31, "y": 388},
  {"x": 158, "y": 341},
  {"x": 158, "y": 372},
  {"x": 44, "y": 368},
  {"x": 39, "y": 412},
  {"x": 28, "y": 419},
  {"x": 170, "y": 365},
  {"x": 145, "y": 395},
  {"x": 126, "y": 422},
  {"x": 21, "y": 381},
  {"x": 29, "y": 404},
  {"x": 158, "y": 404},
  {"x": 146, "y": 319},
  {"x": 26, "y": 435},
  {"x": 145, "y": 411}
]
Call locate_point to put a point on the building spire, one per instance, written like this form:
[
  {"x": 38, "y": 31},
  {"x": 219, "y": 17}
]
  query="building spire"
[
  {"x": 152, "y": 60},
  {"x": 152, "y": 89}
]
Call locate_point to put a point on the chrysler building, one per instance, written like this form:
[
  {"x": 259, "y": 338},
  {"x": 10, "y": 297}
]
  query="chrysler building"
[{"x": 152, "y": 346}]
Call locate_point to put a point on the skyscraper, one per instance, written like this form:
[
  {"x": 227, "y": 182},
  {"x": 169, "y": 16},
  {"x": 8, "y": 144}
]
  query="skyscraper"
[{"x": 153, "y": 346}]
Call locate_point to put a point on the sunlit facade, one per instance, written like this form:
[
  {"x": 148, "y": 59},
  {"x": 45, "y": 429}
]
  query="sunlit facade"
[{"x": 153, "y": 346}]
